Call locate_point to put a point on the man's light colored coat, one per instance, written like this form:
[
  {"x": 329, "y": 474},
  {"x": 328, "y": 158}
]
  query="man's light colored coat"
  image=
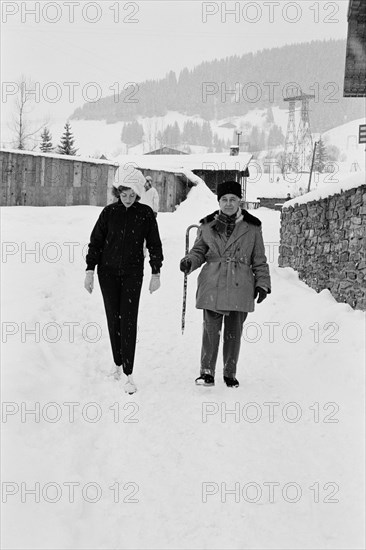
[{"x": 233, "y": 267}]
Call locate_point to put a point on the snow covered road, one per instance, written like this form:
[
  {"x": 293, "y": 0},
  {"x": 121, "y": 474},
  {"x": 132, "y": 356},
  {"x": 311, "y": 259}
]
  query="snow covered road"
[{"x": 274, "y": 464}]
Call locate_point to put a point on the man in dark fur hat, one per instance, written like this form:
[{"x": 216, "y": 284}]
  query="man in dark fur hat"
[{"x": 230, "y": 244}]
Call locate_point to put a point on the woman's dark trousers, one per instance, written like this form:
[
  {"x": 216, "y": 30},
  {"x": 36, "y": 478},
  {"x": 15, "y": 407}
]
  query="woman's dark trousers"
[
  {"x": 121, "y": 295},
  {"x": 233, "y": 328}
]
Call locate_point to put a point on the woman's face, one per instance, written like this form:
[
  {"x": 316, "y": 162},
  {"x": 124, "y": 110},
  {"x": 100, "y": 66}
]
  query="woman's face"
[
  {"x": 128, "y": 197},
  {"x": 229, "y": 204}
]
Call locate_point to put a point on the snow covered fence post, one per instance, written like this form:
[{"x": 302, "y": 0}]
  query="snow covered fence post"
[{"x": 186, "y": 278}]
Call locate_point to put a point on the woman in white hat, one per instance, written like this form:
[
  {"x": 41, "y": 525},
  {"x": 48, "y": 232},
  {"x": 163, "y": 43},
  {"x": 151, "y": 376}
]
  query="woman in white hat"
[{"x": 116, "y": 247}]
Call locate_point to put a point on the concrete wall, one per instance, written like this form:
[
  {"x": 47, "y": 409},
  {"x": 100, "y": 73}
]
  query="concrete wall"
[{"x": 325, "y": 242}]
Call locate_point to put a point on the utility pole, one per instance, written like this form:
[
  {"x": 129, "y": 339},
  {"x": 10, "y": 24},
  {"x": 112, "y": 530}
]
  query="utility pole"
[
  {"x": 312, "y": 164},
  {"x": 239, "y": 134}
]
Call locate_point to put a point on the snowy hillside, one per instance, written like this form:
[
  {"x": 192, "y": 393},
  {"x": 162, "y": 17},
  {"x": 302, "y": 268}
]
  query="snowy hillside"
[
  {"x": 276, "y": 464},
  {"x": 94, "y": 138}
]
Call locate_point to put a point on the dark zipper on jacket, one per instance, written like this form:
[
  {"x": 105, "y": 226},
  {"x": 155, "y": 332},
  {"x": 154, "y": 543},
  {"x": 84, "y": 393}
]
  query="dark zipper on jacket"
[{"x": 123, "y": 242}]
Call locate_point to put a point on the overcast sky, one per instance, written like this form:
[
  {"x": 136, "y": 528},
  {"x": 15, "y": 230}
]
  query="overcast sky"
[{"x": 133, "y": 41}]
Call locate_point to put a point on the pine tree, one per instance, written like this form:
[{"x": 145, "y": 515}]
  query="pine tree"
[
  {"x": 270, "y": 117},
  {"x": 217, "y": 144},
  {"x": 66, "y": 146},
  {"x": 132, "y": 134},
  {"x": 320, "y": 156},
  {"x": 46, "y": 145},
  {"x": 276, "y": 136},
  {"x": 254, "y": 140},
  {"x": 207, "y": 134},
  {"x": 175, "y": 135}
]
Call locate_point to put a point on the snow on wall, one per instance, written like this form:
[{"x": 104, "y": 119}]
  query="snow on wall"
[{"x": 348, "y": 182}]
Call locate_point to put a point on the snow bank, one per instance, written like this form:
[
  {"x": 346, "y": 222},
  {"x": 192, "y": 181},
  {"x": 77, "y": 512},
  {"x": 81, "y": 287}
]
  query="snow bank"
[
  {"x": 347, "y": 182},
  {"x": 302, "y": 354}
]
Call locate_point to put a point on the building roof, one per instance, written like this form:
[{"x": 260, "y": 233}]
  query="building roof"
[
  {"x": 355, "y": 71},
  {"x": 75, "y": 158},
  {"x": 175, "y": 163},
  {"x": 166, "y": 151},
  {"x": 227, "y": 125}
]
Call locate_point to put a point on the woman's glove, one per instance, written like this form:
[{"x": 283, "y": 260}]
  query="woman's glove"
[
  {"x": 185, "y": 265},
  {"x": 261, "y": 293},
  {"x": 154, "y": 282},
  {"x": 89, "y": 281}
]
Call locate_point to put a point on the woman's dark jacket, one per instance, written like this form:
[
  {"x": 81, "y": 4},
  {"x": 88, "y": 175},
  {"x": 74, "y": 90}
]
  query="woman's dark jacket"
[{"x": 116, "y": 242}]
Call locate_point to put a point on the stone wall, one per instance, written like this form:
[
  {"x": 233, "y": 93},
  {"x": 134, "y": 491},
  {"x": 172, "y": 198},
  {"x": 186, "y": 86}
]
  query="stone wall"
[{"x": 325, "y": 242}]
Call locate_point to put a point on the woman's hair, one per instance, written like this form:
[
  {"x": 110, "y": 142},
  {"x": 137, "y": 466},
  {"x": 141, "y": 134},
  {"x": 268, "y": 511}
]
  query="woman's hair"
[{"x": 117, "y": 190}]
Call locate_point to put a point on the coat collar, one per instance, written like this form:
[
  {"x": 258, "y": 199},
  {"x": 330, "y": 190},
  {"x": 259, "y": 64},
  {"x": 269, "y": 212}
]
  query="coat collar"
[
  {"x": 246, "y": 217},
  {"x": 120, "y": 203}
]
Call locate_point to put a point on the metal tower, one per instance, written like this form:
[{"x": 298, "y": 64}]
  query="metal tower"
[
  {"x": 298, "y": 148},
  {"x": 290, "y": 143},
  {"x": 304, "y": 137}
]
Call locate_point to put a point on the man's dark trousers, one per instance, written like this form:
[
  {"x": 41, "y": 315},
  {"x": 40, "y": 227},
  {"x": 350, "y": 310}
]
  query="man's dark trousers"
[{"x": 233, "y": 329}]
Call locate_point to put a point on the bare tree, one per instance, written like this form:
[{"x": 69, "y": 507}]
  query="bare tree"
[
  {"x": 21, "y": 126},
  {"x": 150, "y": 133}
]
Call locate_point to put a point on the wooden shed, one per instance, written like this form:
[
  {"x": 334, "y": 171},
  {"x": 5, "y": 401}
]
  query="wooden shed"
[
  {"x": 274, "y": 203},
  {"x": 46, "y": 179},
  {"x": 171, "y": 186},
  {"x": 174, "y": 175},
  {"x": 355, "y": 70}
]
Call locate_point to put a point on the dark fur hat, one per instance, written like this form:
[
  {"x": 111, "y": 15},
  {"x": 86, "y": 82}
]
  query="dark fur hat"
[{"x": 228, "y": 187}]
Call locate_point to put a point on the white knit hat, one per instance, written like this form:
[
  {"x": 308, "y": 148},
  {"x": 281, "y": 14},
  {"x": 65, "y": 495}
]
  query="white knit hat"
[{"x": 129, "y": 176}]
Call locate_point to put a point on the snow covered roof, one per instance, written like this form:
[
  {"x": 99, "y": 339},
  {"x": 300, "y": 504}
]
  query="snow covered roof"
[
  {"x": 177, "y": 163},
  {"x": 76, "y": 158},
  {"x": 350, "y": 182}
]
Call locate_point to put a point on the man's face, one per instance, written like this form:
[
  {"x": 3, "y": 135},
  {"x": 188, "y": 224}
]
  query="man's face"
[
  {"x": 128, "y": 197},
  {"x": 147, "y": 185},
  {"x": 229, "y": 204}
]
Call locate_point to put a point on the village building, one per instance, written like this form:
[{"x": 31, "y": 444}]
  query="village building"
[
  {"x": 30, "y": 178},
  {"x": 166, "y": 151},
  {"x": 355, "y": 70},
  {"x": 173, "y": 175}
]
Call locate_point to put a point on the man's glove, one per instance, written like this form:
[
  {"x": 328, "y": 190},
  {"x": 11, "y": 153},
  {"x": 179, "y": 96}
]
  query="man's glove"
[
  {"x": 261, "y": 293},
  {"x": 154, "y": 282},
  {"x": 89, "y": 281},
  {"x": 185, "y": 265}
]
